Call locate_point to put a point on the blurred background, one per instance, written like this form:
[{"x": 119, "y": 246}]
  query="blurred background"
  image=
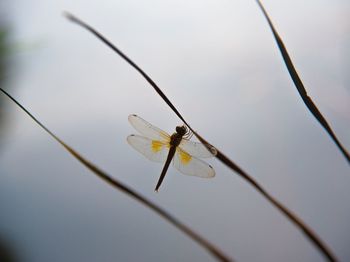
[{"x": 218, "y": 63}]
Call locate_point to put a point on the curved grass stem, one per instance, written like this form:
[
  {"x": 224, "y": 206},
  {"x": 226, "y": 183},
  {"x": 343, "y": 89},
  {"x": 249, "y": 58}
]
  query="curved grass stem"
[
  {"x": 214, "y": 251},
  {"x": 310, "y": 234},
  {"x": 300, "y": 86}
]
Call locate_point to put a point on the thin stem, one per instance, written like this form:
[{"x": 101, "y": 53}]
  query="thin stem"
[
  {"x": 215, "y": 252},
  {"x": 300, "y": 86},
  {"x": 312, "y": 236}
]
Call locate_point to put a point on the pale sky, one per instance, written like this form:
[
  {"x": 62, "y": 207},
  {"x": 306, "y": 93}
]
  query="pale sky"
[{"x": 219, "y": 64}]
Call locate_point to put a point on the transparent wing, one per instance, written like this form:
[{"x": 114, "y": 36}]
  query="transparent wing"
[
  {"x": 197, "y": 149},
  {"x": 148, "y": 130},
  {"x": 154, "y": 150},
  {"x": 192, "y": 166}
]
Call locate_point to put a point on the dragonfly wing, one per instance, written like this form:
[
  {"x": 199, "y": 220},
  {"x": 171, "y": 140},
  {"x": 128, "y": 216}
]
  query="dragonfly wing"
[
  {"x": 192, "y": 166},
  {"x": 147, "y": 129},
  {"x": 197, "y": 149},
  {"x": 154, "y": 150}
]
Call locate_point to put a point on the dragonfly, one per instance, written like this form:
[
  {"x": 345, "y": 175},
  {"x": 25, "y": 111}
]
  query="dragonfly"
[{"x": 158, "y": 146}]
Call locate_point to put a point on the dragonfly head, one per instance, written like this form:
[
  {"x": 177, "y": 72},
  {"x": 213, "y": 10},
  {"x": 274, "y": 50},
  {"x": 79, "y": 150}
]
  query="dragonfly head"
[{"x": 181, "y": 130}]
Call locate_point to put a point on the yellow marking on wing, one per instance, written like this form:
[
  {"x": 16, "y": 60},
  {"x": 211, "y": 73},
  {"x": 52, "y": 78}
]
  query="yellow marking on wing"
[
  {"x": 156, "y": 146},
  {"x": 184, "y": 157}
]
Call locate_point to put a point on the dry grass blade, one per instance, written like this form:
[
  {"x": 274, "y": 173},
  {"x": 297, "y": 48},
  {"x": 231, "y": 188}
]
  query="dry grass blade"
[
  {"x": 294, "y": 218},
  {"x": 312, "y": 236},
  {"x": 215, "y": 252},
  {"x": 300, "y": 86}
]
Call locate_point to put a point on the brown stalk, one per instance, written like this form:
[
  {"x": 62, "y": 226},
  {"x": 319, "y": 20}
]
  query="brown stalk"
[
  {"x": 308, "y": 232},
  {"x": 214, "y": 251},
  {"x": 300, "y": 86}
]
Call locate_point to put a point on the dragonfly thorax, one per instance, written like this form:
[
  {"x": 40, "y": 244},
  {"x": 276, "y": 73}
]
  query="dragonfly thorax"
[{"x": 176, "y": 138}]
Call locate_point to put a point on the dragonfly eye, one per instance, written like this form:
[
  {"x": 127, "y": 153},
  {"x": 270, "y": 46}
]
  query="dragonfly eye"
[{"x": 181, "y": 130}]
